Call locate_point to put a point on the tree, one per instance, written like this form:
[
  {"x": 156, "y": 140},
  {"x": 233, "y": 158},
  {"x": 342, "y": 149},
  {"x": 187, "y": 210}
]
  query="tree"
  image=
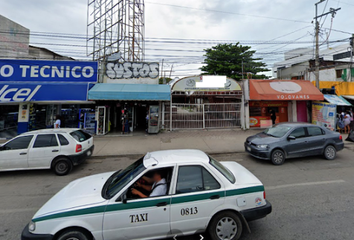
[
  {"x": 166, "y": 78},
  {"x": 226, "y": 59}
]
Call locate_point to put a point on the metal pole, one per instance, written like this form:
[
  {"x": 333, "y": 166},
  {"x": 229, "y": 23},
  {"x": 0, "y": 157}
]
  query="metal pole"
[
  {"x": 242, "y": 70},
  {"x": 317, "y": 53}
]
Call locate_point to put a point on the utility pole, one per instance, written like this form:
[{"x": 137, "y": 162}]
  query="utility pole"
[
  {"x": 317, "y": 33},
  {"x": 351, "y": 57}
]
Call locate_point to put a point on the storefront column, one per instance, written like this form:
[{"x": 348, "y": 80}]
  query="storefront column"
[
  {"x": 294, "y": 111},
  {"x": 23, "y": 118}
]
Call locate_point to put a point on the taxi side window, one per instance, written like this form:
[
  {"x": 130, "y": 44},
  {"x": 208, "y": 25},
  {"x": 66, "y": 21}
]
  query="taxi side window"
[{"x": 195, "y": 179}]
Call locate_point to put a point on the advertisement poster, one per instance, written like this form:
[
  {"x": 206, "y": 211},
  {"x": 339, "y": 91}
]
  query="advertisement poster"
[
  {"x": 324, "y": 114},
  {"x": 260, "y": 122}
]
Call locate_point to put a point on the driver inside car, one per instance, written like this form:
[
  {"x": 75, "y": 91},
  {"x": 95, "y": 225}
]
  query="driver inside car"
[{"x": 156, "y": 186}]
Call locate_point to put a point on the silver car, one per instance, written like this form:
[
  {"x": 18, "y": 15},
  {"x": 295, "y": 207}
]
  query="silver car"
[{"x": 292, "y": 140}]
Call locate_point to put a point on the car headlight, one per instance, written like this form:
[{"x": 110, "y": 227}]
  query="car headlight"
[
  {"x": 31, "y": 226},
  {"x": 262, "y": 146}
]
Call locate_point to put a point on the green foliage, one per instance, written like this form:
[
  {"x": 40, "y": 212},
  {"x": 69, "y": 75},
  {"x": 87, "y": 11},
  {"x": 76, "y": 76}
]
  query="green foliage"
[
  {"x": 226, "y": 59},
  {"x": 167, "y": 80}
]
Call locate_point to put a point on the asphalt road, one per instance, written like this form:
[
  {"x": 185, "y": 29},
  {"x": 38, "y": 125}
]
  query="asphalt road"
[{"x": 312, "y": 198}]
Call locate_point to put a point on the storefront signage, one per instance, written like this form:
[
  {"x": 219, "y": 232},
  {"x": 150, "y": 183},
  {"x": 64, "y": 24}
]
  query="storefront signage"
[
  {"x": 268, "y": 104},
  {"x": 117, "y": 70},
  {"x": 192, "y": 84},
  {"x": 324, "y": 114},
  {"x": 47, "y": 71},
  {"x": 29, "y": 92}
]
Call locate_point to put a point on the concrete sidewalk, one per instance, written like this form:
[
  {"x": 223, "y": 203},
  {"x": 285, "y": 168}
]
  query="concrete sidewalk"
[{"x": 210, "y": 141}]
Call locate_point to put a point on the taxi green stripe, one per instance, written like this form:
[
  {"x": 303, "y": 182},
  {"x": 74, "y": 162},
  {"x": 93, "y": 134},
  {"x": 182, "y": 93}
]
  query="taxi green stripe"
[{"x": 151, "y": 203}]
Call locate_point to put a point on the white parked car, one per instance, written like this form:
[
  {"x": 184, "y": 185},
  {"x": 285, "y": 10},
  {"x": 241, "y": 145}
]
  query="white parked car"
[
  {"x": 201, "y": 195},
  {"x": 56, "y": 149}
]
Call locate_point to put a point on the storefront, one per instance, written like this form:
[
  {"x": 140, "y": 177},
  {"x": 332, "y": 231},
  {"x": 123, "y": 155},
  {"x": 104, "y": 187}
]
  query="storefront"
[
  {"x": 125, "y": 108},
  {"x": 288, "y": 99},
  {"x": 200, "y": 102},
  {"x": 33, "y": 93}
]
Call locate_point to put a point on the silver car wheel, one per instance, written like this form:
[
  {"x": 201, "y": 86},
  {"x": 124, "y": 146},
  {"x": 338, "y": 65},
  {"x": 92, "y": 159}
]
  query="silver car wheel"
[
  {"x": 226, "y": 228},
  {"x": 278, "y": 157},
  {"x": 330, "y": 152}
]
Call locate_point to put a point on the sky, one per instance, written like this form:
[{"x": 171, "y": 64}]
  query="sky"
[{"x": 271, "y": 27}]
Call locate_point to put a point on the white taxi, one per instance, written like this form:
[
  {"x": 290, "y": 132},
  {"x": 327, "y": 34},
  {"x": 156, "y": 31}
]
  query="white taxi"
[{"x": 197, "y": 194}]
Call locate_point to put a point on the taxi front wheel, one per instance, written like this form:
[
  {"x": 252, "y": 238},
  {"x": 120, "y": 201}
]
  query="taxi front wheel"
[
  {"x": 225, "y": 226},
  {"x": 73, "y": 235}
]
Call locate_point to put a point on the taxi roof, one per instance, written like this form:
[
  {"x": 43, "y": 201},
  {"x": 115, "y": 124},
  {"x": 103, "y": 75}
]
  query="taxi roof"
[{"x": 166, "y": 157}]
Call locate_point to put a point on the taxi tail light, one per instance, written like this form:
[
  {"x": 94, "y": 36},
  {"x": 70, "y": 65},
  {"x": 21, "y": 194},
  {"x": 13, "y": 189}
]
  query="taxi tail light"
[
  {"x": 78, "y": 148},
  {"x": 264, "y": 195},
  {"x": 340, "y": 137}
]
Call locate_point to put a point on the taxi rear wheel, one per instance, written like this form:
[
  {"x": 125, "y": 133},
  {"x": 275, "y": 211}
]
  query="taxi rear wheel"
[
  {"x": 225, "y": 226},
  {"x": 73, "y": 235}
]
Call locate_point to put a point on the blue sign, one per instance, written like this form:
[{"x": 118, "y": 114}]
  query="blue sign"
[
  {"x": 47, "y": 71},
  {"x": 33, "y": 92}
]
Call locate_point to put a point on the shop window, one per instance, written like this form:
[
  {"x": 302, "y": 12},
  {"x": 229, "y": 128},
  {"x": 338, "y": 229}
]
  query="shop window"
[
  {"x": 63, "y": 141},
  {"x": 45, "y": 140},
  {"x": 315, "y": 131},
  {"x": 194, "y": 179},
  {"x": 298, "y": 133},
  {"x": 19, "y": 143},
  {"x": 339, "y": 73}
]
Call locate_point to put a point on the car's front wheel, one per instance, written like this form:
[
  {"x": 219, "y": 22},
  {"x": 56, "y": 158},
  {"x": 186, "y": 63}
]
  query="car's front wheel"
[
  {"x": 62, "y": 166},
  {"x": 330, "y": 152},
  {"x": 73, "y": 235},
  {"x": 225, "y": 226},
  {"x": 278, "y": 157}
]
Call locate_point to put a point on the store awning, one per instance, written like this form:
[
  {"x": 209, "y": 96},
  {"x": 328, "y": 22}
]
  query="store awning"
[
  {"x": 284, "y": 90},
  {"x": 334, "y": 99},
  {"x": 130, "y": 92}
]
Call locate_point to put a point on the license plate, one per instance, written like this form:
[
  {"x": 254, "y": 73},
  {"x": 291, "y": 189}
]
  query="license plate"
[{"x": 249, "y": 149}]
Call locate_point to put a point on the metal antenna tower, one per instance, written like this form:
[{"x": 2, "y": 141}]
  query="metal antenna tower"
[{"x": 116, "y": 26}]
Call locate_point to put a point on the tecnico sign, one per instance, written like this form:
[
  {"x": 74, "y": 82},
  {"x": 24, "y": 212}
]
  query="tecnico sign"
[{"x": 48, "y": 71}]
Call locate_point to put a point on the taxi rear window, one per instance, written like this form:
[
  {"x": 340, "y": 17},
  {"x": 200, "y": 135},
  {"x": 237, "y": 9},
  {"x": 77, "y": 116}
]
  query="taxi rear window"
[
  {"x": 80, "y": 135},
  {"x": 223, "y": 170}
]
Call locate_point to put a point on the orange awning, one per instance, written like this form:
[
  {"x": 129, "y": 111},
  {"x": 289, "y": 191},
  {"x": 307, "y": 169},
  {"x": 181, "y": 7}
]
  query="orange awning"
[{"x": 284, "y": 90}]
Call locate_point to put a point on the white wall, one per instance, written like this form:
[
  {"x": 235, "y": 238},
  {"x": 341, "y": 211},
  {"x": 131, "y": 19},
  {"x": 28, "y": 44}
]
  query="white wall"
[{"x": 325, "y": 75}]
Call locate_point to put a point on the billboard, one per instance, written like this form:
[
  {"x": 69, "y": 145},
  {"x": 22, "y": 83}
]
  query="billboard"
[
  {"x": 47, "y": 71},
  {"x": 324, "y": 114},
  {"x": 33, "y": 92}
]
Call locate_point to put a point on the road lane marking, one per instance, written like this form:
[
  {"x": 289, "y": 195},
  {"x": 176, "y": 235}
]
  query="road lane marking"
[{"x": 303, "y": 184}]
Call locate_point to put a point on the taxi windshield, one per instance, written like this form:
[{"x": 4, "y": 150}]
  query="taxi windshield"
[{"x": 119, "y": 179}]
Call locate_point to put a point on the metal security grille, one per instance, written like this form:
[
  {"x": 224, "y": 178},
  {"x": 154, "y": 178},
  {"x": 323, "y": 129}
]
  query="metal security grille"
[
  {"x": 200, "y": 116},
  {"x": 223, "y": 115}
]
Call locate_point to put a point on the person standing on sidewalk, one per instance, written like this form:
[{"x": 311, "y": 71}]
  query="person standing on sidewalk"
[
  {"x": 273, "y": 116},
  {"x": 57, "y": 122}
]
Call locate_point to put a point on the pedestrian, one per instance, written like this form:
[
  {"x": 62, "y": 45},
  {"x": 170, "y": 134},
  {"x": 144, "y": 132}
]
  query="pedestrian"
[
  {"x": 347, "y": 120},
  {"x": 57, "y": 122},
  {"x": 273, "y": 116}
]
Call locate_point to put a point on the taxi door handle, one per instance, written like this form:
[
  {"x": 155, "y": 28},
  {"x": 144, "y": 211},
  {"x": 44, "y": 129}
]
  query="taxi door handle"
[
  {"x": 23, "y": 153},
  {"x": 161, "y": 204},
  {"x": 55, "y": 150},
  {"x": 215, "y": 197}
]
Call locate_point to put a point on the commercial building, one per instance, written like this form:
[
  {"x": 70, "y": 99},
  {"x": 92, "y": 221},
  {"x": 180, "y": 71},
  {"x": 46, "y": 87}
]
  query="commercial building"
[
  {"x": 33, "y": 93},
  {"x": 290, "y": 100},
  {"x": 197, "y": 105},
  {"x": 129, "y": 98}
]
